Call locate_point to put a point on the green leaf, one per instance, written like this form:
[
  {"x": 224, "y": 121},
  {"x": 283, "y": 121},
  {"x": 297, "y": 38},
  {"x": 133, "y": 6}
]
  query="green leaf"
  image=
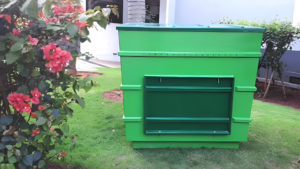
[
  {"x": 97, "y": 8},
  {"x": 19, "y": 144},
  {"x": 1, "y": 158},
  {"x": 68, "y": 95},
  {"x": 102, "y": 22},
  {"x": 23, "y": 89},
  {"x": 41, "y": 163},
  {"x": 32, "y": 10},
  {"x": 35, "y": 73},
  {"x": 12, "y": 160},
  {"x": 41, "y": 121},
  {"x": 81, "y": 84},
  {"x": 43, "y": 86},
  {"x": 9, "y": 147},
  {"x": 9, "y": 153},
  {"x": 25, "y": 72},
  {"x": 2, "y": 46},
  {"x": 39, "y": 136},
  {"x": 85, "y": 32},
  {"x": 47, "y": 140},
  {"x": 24, "y": 125},
  {"x": 65, "y": 128},
  {"x": 20, "y": 67},
  {"x": 51, "y": 153},
  {"x": 21, "y": 139},
  {"x": 72, "y": 29},
  {"x": 11, "y": 57},
  {"x": 47, "y": 10},
  {"x": 3, "y": 166},
  {"x": 52, "y": 26},
  {"x": 80, "y": 101},
  {"x": 16, "y": 47},
  {"x": 115, "y": 11}
]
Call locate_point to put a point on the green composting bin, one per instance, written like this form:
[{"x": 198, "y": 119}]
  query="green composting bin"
[{"x": 188, "y": 86}]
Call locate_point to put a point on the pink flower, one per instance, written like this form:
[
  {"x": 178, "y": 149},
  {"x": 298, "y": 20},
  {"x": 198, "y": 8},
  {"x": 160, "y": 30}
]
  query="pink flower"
[
  {"x": 33, "y": 41},
  {"x": 51, "y": 129},
  {"x": 26, "y": 109},
  {"x": 41, "y": 15},
  {"x": 11, "y": 43},
  {"x": 36, "y": 92},
  {"x": 47, "y": 20},
  {"x": 7, "y": 17},
  {"x": 47, "y": 50},
  {"x": 16, "y": 32},
  {"x": 65, "y": 39},
  {"x": 35, "y": 132},
  {"x": 58, "y": 59},
  {"x": 35, "y": 100},
  {"x": 54, "y": 20},
  {"x": 79, "y": 9},
  {"x": 41, "y": 108}
]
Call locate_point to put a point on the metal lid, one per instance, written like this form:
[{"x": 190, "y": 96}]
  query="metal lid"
[{"x": 188, "y": 28}]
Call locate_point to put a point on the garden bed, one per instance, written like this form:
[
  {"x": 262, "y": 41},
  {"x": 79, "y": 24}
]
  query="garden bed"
[{"x": 275, "y": 95}]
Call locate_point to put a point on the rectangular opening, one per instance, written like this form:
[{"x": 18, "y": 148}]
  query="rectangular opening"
[
  {"x": 295, "y": 80},
  {"x": 187, "y": 105}
]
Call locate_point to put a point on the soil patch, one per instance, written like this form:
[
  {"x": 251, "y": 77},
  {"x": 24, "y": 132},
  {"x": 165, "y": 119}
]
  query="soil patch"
[
  {"x": 114, "y": 95},
  {"x": 275, "y": 95}
]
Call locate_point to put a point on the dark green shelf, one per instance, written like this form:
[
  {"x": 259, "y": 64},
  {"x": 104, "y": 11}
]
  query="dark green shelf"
[
  {"x": 186, "y": 132},
  {"x": 188, "y": 88},
  {"x": 187, "y": 119}
]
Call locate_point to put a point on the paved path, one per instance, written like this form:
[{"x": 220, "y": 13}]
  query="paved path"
[{"x": 93, "y": 64}]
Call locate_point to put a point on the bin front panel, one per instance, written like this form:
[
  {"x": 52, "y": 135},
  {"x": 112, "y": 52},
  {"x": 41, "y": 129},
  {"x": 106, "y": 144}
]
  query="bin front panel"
[{"x": 187, "y": 105}]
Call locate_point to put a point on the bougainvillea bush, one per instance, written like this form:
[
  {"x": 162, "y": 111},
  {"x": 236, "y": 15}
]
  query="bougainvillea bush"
[{"x": 37, "y": 44}]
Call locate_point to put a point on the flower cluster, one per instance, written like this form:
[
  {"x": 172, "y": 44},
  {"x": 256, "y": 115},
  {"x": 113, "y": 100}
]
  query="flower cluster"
[
  {"x": 57, "y": 57},
  {"x": 20, "y": 102},
  {"x": 48, "y": 20},
  {"x": 35, "y": 96}
]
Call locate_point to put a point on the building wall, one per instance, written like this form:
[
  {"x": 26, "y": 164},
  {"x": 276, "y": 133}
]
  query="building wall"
[
  {"x": 203, "y": 11},
  {"x": 105, "y": 42}
]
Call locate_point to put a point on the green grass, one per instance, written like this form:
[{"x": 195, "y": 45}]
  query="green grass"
[{"x": 272, "y": 142}]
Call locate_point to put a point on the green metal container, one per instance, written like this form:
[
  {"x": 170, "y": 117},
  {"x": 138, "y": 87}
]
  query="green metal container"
[{"x": 188, "y": 86}]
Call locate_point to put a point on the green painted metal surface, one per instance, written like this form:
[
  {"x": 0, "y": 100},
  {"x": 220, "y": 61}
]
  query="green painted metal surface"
[
  {"x": 188, "y": 28},
  {"x": 188, "y": 88}
]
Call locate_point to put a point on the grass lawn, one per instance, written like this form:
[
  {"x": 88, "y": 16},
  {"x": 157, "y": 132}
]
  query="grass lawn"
[{"x": 272, "y": 142}]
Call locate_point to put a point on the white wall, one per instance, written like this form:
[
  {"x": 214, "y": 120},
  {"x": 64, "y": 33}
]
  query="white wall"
[
  {"x": 204, "y": 11},
  {"x": 104, "y": 42}
]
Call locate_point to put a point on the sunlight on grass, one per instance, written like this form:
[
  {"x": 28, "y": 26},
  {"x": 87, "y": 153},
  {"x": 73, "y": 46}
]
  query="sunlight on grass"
[{"x": 272, "y": 142}]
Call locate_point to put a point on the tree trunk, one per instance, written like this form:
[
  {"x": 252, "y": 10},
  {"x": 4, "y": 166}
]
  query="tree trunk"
[
  {"x": 266, "y": 78},
  {"x": 266, "y": 92},
  {"x": 136, "y": 10},
  {"x": 284, "y": 94}
]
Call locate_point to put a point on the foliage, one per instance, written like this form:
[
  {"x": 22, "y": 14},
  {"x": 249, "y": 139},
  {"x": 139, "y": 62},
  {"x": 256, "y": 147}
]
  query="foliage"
[
  {"x": 277, "y": 38},
  {"x": 36, "y": 47},
  {"x": 149, "y": 17}
]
